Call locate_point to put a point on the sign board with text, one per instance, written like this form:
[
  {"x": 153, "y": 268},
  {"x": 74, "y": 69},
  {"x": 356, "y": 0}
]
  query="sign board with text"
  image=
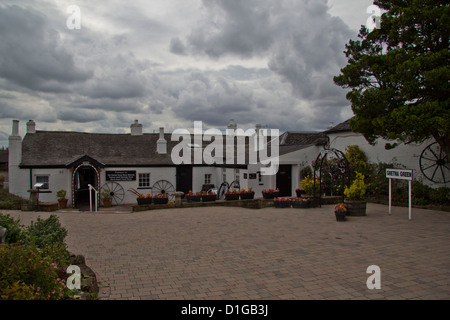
[
  {"x": 403, "y": 174},
  {"x": 120, "y": 175}
]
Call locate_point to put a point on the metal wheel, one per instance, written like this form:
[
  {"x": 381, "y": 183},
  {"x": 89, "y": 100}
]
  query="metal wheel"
[
  {"x": 222, "y": 189},
  {"x": 434, "y": 164},
  {"x": 235, "y": 185},
  {"x": 115, "y": 190},
  {"x": 163, "y": 187}
]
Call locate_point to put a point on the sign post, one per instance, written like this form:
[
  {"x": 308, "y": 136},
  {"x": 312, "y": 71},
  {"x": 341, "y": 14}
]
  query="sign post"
[{"x": 402, "y": 174}]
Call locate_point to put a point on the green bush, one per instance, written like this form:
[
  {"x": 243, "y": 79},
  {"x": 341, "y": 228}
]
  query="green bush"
[
  {"x": 440, "y": 196},
  {"x": 14, "y": 229},
  {"x": 45, "y": 232},
  {"x": 27, "y": 273}
]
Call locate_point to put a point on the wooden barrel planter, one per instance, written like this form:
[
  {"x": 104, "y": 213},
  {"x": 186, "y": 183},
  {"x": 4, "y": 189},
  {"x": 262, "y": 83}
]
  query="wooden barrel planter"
[{"x": 355, "y": 207}]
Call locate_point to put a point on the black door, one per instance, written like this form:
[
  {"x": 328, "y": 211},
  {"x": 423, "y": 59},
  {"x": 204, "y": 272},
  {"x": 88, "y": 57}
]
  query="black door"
[
  {"x": 84, "y": 177},
  {"x": 184, "y": 178},
  {"x": 284, "y": 180}
]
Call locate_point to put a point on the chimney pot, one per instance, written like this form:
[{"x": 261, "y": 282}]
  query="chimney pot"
[
  {"x": 136, "y": 128},
  {"x": 31, "y": 127}
]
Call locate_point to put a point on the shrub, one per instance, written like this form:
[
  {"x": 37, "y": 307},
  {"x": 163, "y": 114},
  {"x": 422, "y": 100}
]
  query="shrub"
[
  {"x": 26, "y": 272},
  {"x": 357, "y": 190},
  {"x": 45, "y": 232},
  {"x": 440, "y": 195},
  {"x": 307, "y": 184},
  {"x": 14, "y": 229}
]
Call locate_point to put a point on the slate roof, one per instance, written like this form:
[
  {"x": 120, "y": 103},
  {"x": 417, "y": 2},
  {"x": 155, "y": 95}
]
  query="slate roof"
[
  {"x": 341, "y": 127},
  {"x": 53, "y": 148}
]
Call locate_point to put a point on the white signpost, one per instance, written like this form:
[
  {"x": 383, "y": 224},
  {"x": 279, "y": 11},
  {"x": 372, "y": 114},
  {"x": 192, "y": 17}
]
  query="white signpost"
[{"x": 402, "y": 174}]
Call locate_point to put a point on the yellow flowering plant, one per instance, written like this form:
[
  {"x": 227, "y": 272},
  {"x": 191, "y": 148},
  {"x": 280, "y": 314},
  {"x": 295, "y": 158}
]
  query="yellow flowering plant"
[{"x": 357, "y": 190}]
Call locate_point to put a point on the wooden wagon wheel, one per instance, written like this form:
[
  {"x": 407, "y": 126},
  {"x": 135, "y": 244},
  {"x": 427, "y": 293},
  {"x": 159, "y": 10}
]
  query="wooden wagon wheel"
[
  {"x": 434, "y": 164},
  {"x": 235, "y": 185},
  {"x": 115, "y": 191},
  {"x": 163, "y": 187}
]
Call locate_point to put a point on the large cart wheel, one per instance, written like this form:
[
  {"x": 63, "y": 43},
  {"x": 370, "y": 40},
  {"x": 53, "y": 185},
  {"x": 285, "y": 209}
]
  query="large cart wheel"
[
  {"x": 434, "y": 164},
  {"x": 235, "y": 185},
  {"x": 115, "y": 191},
  {"x": 163, "y": 187}
]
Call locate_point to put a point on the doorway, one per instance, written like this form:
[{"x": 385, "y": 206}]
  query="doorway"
[
  {"x": 84, "y": 176},
  {"x": 184, "y": 178},
  {"x": 284, "y": 180}
]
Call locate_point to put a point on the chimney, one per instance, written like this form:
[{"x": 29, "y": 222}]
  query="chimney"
[
  {"x": 136, "y": 128},
  {"x": 232, "y": 125},
  {"x": 15, "y": 128},
  {"x": 258, "y": 127},
  {"x": 161, "y": 144},
  {"x": 31, "y": 127}
]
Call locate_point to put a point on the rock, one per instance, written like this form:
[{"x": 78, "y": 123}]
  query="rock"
[{"x": 89, "y": 284}]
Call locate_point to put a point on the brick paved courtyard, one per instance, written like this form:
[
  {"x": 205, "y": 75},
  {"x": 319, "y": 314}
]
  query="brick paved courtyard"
[{"x": 234, "y": 253}]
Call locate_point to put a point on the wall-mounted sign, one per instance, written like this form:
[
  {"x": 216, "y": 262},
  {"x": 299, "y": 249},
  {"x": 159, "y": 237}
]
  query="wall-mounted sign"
[{"x": 120, "y": 175}]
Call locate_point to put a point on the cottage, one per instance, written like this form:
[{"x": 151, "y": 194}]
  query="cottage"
[{"x": 143, "y": 161}]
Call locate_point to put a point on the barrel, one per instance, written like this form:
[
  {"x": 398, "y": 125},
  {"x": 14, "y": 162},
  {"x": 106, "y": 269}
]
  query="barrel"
[{"x": 355, "y": 207}]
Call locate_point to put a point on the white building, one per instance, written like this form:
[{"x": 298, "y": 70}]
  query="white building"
[{"x": 142, "y": 161}]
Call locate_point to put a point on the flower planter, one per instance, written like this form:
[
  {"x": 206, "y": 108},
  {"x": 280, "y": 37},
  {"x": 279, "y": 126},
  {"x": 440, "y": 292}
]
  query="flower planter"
[
  {"x": 300, "y": 204},
  {"x": 144, "y": 201},
  {"x": 282, "y": 203},
  {"x": 355, "y": 207},
  {"x": 209, "y": 197},
  {"x": 232, "y": 196},
  {"x": 193, "y": 198},
  {"x": 247, "y": 195},
  {"x": 62, "y": 203},
  {"x": 107, "y": 202},
  {"x": 163, "y": 200},
  {"x": 340, "y": 216},
  {"x": 270, "y": 195}
]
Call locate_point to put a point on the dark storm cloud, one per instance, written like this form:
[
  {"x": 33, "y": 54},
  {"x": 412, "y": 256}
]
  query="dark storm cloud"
[
  {"x": 302, "y": 42},
  {"x": 31, "y": 52}
]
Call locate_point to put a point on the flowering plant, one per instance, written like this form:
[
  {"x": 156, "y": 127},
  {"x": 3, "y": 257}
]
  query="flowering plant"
[
  {"x": 270, "y": 190},
  {"x": 308, "y": 185},
  {"x": 232, "y": 192},
  {"x": 358, "y": 188},
  {"x": 340, "y": 207},
  {"x": 282, "y": 199},
  {"x": 300, "y": 199},
  {"x": 161, "y": 195}
]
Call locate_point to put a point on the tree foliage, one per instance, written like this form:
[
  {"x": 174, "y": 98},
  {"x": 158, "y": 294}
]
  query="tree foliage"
[{"x": 399, "y": 74}]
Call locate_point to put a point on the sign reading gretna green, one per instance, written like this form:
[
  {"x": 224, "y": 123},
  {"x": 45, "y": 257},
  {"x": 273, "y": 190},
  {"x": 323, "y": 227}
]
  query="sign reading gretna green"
[
  {"x": 120, "y": 175},
  {"x": 399, "y": 174}
]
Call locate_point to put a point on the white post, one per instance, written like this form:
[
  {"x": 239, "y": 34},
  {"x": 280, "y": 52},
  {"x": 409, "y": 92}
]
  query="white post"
[
  {"x": 410, "y": 198},
  {"x": 390, "y": 189}
]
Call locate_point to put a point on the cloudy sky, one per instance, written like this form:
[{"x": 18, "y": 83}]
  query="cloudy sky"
[{"x": 171, "y": 62}]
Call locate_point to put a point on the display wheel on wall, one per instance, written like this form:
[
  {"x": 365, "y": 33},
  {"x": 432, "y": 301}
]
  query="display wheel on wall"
[
  {"x": 434, "y": 164},
  {"x": 163, "y": 187},
  {"x": 116, "y": 192},
  {"x": 234, "y": 186}
]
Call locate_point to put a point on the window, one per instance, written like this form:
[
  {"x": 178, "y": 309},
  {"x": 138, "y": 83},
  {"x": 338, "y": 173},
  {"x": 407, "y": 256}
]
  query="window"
[
  {"x": 144, "y": 180},
  {"x": 224, "y": 175},
  {"x": 45, "y": 180},
  {"x": 208, "y": 178},
  {"x": 237, "y": 175}
]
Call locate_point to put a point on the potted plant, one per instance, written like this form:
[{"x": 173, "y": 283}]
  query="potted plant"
[
  {"x": 210, "y": 196},
  {"x": 355, "y": 197},
  {"x": 232, "y": 195},
  {"x": 106, "y": 198},
  {"x": 270, "y": 193},
  {"x": 310, "y": 188},
  {"x": 161, "y": 198},
  {"x": 300, "y": 203},
  {"x": 193, "y": 197},
  {"x": 144, "y": 199},
  {"x": 340, "y": 210},
  {"x": 247, "y": 194},
  {"x": 61, "y": 194},
  {"x": 282, "y": 202}
]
